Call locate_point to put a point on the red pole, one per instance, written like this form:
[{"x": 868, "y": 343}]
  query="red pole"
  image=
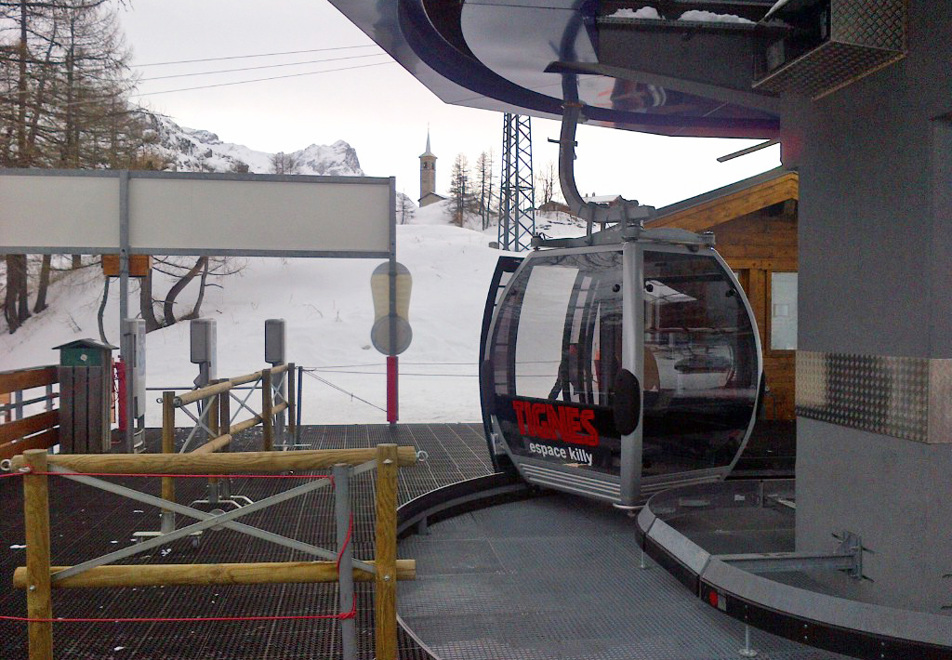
[
  {"x": 121, "y": 378},
  {"x": 393, "y": 406}
]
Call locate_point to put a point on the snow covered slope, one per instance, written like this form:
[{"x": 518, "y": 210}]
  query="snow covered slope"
[{"x": 329, "y": 312}]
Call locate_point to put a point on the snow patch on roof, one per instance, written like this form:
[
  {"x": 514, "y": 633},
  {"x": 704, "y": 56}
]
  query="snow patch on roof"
[
  {"x": 647, "y": 13},
  {"x": 694, "y": 15},
  {"x": 700, "y": 16}
]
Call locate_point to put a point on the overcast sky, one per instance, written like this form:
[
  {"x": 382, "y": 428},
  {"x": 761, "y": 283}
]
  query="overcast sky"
[{"x": 373, "y": 103}]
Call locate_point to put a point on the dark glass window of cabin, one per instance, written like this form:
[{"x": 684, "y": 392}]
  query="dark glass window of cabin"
[
  {"x": 700, "y": 364},
  {"x": 558, "y": 332},
  {"x": 558, "y": 339}
]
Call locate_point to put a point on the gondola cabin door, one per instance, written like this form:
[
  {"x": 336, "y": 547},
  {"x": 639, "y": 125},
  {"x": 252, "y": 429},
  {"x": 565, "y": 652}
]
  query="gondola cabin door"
[
  {"x": 554, "y": 350},
  {"x": 609, "y": 371}
]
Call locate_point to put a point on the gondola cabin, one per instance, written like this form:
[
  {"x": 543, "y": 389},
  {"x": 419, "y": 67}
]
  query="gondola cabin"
[{"x": 618, "y": 365}]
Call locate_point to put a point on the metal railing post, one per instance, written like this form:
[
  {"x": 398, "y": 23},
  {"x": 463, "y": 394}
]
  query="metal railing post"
[
  {"x": 36, "y": 506},
  {"x": 168, "y": 447},
  {"x": 279, "y": 387},
  {"x": 345, "y": 547},
  {"x": 385, "y": 596},
  {"x": 267, "y": 416},
  {"x": 292, "y": 405},
  {"x": 297, "y": 423},
  {"x": 224, "y": 428},
  {"x": 214, "y": 487}
]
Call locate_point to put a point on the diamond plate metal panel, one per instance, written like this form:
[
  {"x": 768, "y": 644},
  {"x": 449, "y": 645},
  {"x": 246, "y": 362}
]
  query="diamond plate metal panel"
[
  {"x": 865, "y": 36},
  {"x": 872, "y": 23},
  {"x": 940, "y": 401},
  {"x": 901, "y": 397}
]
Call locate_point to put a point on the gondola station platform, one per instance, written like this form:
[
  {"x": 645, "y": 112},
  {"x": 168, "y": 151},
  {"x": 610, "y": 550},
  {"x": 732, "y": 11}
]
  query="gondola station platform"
[{"x": 502, "y": 571}]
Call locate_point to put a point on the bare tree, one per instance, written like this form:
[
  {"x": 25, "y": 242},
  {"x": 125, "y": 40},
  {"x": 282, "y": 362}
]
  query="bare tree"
[
  {"x": 545, "y": 184},
  {"x": 462, "y": 194},
  {"x": 484, "y": 182},
  {"x": 282, "y": 163},
  {"x": 183, "y": 272},
  {"x": 64, "y": 84}
]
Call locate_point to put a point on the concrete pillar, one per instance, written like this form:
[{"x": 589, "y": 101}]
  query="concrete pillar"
[{"x": 874, "y": 371}]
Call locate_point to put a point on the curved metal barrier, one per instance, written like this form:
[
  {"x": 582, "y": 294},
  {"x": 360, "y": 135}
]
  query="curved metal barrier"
[{"x": 841, "y": 625}]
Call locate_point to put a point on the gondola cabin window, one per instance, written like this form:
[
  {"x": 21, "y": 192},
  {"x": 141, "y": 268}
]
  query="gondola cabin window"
[{"x": 700, "y": 364}]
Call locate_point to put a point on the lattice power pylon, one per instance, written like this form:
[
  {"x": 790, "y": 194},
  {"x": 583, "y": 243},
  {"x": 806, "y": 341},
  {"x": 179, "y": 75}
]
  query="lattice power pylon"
[{"x": 516, "y": 194}]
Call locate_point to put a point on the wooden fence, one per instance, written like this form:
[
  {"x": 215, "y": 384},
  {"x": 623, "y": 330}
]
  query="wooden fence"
[
  {"x": 215, "y": 418},
  {"x": 39, "y": 431},
  {"x": 38, "y": 577}
]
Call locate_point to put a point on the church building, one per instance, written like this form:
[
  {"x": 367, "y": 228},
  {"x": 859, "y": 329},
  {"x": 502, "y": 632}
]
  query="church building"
[{"x": 428, "y": 176}]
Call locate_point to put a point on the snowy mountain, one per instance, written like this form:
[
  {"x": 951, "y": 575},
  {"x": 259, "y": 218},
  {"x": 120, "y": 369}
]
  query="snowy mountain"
[{"x": 191, "y": 150}]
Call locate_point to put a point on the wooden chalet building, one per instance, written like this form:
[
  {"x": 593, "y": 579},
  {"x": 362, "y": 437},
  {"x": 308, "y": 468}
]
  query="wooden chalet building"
[{"x": 755, "y": 224}]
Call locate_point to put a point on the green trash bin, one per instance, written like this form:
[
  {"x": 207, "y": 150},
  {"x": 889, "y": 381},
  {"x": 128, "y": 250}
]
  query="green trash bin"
[
  {"x": 85, "y": 353},
  {"x": 86, "y": 387}
]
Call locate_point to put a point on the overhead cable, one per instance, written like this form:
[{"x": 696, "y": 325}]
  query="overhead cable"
[
  {"x": 245, "y": 82},
  {"x": 264, "y": 66},
  {"x": 244, "y": 57}
]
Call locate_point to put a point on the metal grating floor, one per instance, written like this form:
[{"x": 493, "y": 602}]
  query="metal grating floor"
[
  {"x": 87, "y": 522},
  {"x": 558, "y": 577}
]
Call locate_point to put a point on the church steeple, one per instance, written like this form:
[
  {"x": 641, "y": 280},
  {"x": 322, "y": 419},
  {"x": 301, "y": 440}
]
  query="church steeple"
[
  {"x": 427, "y": 152},
  {"x": 428, "y": 175}
]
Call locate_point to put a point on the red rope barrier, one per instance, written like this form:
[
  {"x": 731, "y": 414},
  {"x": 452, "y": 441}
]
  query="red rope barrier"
[
  {"x": 353, "y": 607},
  {"x": 301, "y": 617},
  {"x": 174, "y": 476},
  {"x": 350, "y": 528}
]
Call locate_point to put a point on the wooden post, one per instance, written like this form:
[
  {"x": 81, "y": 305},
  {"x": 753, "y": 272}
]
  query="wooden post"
[
  {"x": 292, "y": 404},
  {"x": 267, "y": 415},
  {"x": 212, "y": 417},
  {"x": 385, "y": 597},
  {"x": 36, "y": 506},
  {"x": 224, "y": 413},
  {"x": 168, "y": 447}
]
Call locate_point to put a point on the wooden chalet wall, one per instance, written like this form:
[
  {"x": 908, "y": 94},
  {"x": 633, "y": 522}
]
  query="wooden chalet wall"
[{"x": 756, "y": 230}]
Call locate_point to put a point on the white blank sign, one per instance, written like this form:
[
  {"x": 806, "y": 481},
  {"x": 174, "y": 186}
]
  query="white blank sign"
[
  {"x": 196, "y": 214},
  {"x": 59, "y": 212}
]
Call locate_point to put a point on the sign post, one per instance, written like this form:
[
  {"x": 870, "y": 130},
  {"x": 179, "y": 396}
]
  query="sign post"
[{"x": 391, "y": 334}]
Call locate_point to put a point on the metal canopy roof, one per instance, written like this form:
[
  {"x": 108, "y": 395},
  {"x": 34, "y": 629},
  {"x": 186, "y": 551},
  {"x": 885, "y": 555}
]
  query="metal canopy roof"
[{"x": 668, "y": 76}]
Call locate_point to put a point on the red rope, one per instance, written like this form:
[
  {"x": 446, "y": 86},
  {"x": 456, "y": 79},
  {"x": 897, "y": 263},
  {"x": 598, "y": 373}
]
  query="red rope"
[
  {"x": 340, "y": 617},
  {"x": 174, "y": 476},
  {"x": 302, "y": 617},
  {"x": 353, "y": 604}
]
